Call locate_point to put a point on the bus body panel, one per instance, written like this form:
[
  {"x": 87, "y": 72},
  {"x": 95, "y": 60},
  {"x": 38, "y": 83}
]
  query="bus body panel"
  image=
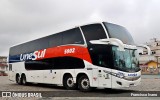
[
  {"x": 52, "y": 76},
  {"x": 125, "y": 83},
  {"x": 34, "y": 76}
]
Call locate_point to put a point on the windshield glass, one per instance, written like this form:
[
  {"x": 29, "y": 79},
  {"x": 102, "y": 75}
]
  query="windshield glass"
[
  {"x": 119, "y": 32},
  {"x": 125, "y": 60}
]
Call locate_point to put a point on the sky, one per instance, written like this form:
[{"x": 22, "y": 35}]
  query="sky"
[{"x": 25, "y": 20}]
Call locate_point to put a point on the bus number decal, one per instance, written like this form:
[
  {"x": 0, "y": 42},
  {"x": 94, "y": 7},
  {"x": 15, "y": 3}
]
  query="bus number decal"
[{"x": 68, "y": 51}]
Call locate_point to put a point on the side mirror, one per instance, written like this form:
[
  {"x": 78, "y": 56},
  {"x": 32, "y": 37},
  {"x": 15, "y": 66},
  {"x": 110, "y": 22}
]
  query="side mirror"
[
  {"x": 115, "y": 41},
  {"x": 147, "y": 47}
]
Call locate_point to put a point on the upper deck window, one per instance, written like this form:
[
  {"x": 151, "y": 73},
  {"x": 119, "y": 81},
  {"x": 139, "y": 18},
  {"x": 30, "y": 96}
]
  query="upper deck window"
[
  {"x": 119, "y": 32},
  {"x": 72, "y": 36},
  {"x": 93, "y": 32}
]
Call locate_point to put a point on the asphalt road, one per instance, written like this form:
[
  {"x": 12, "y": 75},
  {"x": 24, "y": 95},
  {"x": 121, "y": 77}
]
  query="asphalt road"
[{"x": 149, "y": 85}]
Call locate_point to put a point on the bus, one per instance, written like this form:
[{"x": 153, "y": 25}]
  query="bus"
[{"x": 96, "y": 55}]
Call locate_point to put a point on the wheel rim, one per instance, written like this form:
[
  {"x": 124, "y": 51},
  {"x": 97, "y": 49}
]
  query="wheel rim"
[
  {"x": 70, "y": 82},
  {"x": 85, "y": 83}
]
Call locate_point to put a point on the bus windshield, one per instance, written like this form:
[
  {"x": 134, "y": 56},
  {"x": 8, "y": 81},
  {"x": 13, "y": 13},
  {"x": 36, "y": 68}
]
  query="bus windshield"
[
  {"x": 119, "y": 32},
  {"x": 125, "y": 60}
]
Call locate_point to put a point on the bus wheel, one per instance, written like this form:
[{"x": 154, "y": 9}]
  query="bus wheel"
[
  {"x": 24, "y": 82},
  {"x": 84, "y": 84},
  {"x": 18, "y": 80},
  {"x": 68, "y": 82}
]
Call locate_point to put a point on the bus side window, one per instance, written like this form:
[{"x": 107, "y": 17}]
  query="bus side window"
[
  {"x": 93, "y": 32},
  {"x": 55, "y": 40},
  {"x": 65, "y": 63},
  {"x": 10, "y": 67},
  {"x": 72, "y": 36}
]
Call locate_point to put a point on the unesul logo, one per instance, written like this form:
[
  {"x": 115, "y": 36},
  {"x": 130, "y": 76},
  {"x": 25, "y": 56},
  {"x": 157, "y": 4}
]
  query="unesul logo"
[{"x": 33, "y": 56}]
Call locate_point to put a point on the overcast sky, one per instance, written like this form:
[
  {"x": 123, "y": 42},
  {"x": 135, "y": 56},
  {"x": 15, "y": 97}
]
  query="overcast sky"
[{"x": 25, "y": 20}]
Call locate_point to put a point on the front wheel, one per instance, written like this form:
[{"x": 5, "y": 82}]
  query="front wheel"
[
  {"x": 84, "y": 83},
  {"x": 69, "y": 83}
]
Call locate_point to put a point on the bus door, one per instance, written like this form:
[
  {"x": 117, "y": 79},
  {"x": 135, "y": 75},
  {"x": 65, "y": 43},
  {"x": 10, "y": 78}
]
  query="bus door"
[{"x": 104, "y": 78}]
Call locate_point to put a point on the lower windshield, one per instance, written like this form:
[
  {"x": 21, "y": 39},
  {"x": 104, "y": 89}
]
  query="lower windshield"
[{"x": 125, "y": 60}]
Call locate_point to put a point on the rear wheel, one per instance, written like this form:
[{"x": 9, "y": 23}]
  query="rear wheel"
[
  {"x": 68, "y": 83},
  {"x": 23, "y": 79},
  {"x": 18, "y": 79},
  {"x": 84, "y": 84}
]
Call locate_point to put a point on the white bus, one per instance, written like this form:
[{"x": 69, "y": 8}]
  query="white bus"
[{"x": 94, "y": 55}]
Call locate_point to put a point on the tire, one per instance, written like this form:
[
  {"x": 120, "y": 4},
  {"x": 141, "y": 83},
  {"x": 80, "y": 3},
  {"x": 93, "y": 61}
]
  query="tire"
[
  {"x": 23, "y": 80},
  {"x": 18, "y": 80},
  {"x": 68, "y": 83},
  {"x": 84, "y": 84}
]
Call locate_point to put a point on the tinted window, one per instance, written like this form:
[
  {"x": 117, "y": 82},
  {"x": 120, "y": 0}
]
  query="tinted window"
[
  {"x": 30, "y": 46},
  {"x": 35, "y": 45},
  {"x": 55, "y": 63},
  {"x": 38, "y": 65},
  {"x": 93, "y": 32},
  {"x": 73, "y": 36},
  {"x": 68, "y": 63},
  {"x": 55, "y": 40},
  {"x": 119, "y": 32},
  {"x": 101, "y": 55}
]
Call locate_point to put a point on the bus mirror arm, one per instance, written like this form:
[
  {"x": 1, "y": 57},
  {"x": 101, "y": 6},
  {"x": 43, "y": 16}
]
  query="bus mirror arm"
[
  {"x": 110, "y": 41},
  {"x": 147, "y": 47},
  {"x": 119, "y": 42}
]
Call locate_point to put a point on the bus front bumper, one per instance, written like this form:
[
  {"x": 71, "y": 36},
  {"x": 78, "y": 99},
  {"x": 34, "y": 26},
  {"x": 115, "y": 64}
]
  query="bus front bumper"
[{"x": 120, "y": 83}]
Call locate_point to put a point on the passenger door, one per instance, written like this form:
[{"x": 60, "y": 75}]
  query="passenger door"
[{"x": 104, "y": 78}]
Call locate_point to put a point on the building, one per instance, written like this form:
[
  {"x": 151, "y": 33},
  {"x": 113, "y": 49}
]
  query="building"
[
  {"x": 150, "y": 67},
  {"x": 154, "y": 45},
  {"x": 150, "y": 64},
  {"x": 3, "y": 65}
]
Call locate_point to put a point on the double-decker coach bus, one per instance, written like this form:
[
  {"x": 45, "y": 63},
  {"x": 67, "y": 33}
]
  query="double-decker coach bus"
[{"x": 100, "y": 54}]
